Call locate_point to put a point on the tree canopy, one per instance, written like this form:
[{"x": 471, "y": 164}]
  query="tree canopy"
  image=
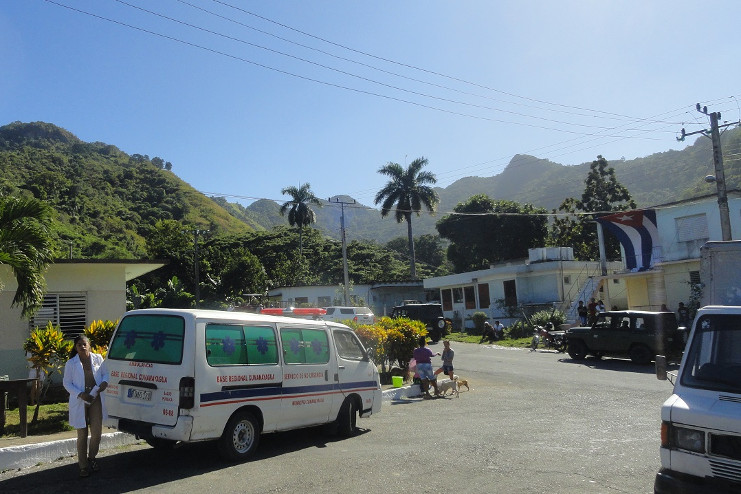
[
  {"x": 576, "y": 228},
  {"x": 407, "y": 192},
  {"x": 483, "y": 231},
  {"x": 299, "y": 209},
  {"x": 25, "y": 246}
]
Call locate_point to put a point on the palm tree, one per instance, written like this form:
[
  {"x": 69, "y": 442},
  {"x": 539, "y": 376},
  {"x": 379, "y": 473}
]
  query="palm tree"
[
  {"x": 25, "y": 246},
  {"x": 299, "y": 212},
  {"x": 408, "y": 191}
]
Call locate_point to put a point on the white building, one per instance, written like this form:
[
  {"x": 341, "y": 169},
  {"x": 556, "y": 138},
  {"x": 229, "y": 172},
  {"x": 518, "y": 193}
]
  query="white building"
[
  {"x": 549, "y": 278},
  {"x": 78, "y": 292},
  {"x": 683, "y": 227}
]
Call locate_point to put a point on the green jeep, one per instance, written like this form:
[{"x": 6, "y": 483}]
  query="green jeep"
[
  {"x": 430, "y": 314},
  {"x": 639, "y": 335}
]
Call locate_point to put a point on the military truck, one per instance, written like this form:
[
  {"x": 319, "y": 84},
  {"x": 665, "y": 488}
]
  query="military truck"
[{"x": 638, "y": 335}]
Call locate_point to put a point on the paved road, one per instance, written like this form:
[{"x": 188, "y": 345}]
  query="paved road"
[{"x": 531, "y": 423}]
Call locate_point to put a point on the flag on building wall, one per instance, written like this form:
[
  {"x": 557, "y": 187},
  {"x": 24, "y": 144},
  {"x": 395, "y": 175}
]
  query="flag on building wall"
[{"x": 637, "y": 233}]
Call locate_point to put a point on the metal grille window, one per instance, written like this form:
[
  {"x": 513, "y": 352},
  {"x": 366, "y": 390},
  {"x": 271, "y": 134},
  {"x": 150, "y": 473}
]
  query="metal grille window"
[
  {"x": 66, "y": 310},
  {"x": 691, "y": 228}
]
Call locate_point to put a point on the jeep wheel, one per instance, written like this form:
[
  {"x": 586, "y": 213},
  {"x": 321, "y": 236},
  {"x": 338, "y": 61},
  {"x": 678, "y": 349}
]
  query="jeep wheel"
[
  {"x": 639, "y": 354},
  {"x": 577, "y": 350}
]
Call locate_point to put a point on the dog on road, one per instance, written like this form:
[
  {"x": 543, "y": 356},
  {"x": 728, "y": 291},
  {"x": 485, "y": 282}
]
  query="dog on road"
[
  {"x": 461, "y": 382},
  {"x": 447, "y": 385}
]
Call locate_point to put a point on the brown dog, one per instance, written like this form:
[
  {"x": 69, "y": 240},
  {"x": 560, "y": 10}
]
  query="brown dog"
[{"x": 461, "y": 382}]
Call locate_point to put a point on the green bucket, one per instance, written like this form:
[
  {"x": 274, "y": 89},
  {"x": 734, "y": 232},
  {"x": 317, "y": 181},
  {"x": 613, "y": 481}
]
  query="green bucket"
[{"x": 397, "y": 381}]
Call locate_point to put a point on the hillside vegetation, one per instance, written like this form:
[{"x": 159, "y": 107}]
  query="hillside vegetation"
[{"x": 107, "y": 201}]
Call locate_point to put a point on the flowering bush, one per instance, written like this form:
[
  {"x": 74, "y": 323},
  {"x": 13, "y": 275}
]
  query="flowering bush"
[{"x": 390, "y": 340}]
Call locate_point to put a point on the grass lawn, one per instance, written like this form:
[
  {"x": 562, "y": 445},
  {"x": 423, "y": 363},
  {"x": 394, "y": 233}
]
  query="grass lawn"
[
  {"x": 52, "y": 419},
  {"x": 516, "y": 343}
]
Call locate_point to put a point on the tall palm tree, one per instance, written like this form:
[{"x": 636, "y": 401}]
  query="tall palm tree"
[
  {"x": 407, "y": 192},
  {"x": 299, "y": 210},
  {"x": 25, "y": 246}
]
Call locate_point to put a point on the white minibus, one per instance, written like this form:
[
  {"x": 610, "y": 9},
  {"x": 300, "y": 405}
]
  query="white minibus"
[{"x": 196, "y": 375}]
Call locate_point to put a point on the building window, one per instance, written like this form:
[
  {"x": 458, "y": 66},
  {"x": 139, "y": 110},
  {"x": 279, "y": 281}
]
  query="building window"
[
  {"x": 470, "y": 297},
  {"x": 692, "y": 232},
  {"x": 695, "y": 277},
  {"x": 447, "y": 296},
  {"x": 302, "y": 300},
  {"x": 484, "y": 301},
  {"x": 510, "y": 293},
  {"x": 567, "y": 280},
  {"x": 458, "y": 295},
  {"x": 66, "y": 310},
  {"x": 324, "y": 301}
]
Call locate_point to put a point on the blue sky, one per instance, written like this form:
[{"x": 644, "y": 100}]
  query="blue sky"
[{"x": 247, "y": 97}]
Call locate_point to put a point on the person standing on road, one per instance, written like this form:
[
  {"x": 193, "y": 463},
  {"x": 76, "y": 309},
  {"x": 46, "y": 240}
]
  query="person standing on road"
[
  {"x": 447, "y": 356},
  {"x": 582, "y": 311},
  {"x": 85, "y": 378},
  {"x": 592, "y": 310},
  {"x": 683, "y": 315},
  {"x": 423, "y": 356}
]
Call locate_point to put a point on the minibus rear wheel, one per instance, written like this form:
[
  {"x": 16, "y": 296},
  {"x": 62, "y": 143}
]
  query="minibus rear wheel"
[{"x": 240, "y": 437}]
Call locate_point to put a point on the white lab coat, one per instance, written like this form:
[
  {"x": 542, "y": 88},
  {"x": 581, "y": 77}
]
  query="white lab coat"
[{"x": 74, "y": 383}]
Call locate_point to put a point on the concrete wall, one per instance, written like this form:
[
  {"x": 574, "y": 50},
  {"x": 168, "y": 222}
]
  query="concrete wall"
[{"x": 103, "y": 284}]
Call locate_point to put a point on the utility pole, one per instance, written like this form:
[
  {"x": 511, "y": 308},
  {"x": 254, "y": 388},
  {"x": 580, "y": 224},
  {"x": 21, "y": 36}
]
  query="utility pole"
[
  {"x": 197, "y": 264},
  {"x": 719, "y": 178},
  {"x": 345, "y": 288}
]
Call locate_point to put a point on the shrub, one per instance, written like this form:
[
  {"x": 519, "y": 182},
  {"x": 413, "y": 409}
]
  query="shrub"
[
  {"x": 519, "y": 329},
  {"x": 99, "y": 333},
  {"x": 478, "y": 318},
  {"x": 542, "y": 317}
]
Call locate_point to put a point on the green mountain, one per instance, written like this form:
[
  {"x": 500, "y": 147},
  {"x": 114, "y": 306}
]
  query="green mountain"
[
  {"x": 106, "y": 201},
  {"x": 656, "y": 179}
]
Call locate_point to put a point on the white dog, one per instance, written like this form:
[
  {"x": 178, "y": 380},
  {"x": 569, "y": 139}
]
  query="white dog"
[{"x": 447, "y": 385}]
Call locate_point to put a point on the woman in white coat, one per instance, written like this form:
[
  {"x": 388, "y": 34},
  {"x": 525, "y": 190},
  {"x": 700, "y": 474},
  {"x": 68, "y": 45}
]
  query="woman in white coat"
[{"x": 85, "y": 378}]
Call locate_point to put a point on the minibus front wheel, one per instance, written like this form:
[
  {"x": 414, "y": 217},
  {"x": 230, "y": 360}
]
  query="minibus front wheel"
[{"x": 240, "y": 437}]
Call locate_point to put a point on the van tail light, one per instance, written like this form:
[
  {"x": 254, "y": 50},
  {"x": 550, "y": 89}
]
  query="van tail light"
[{"x": 187, "y": 392}]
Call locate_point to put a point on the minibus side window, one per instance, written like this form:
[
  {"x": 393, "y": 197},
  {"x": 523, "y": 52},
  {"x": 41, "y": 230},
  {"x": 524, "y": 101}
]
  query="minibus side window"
[
  {"x": 231, "y": 344},
  {"x": 348, "y": 346},
  {"x": 156, "y": 339},
  {"x": 305, "y": 346}
]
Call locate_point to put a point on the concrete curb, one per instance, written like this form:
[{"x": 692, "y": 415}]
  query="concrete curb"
[{"x": 27, "y": 455}]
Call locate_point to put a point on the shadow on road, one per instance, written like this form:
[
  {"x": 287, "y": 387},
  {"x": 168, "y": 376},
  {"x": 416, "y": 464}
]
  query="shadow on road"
[
  {"x": 615, "y": 364},
  {"x": 144, "y": 468}
]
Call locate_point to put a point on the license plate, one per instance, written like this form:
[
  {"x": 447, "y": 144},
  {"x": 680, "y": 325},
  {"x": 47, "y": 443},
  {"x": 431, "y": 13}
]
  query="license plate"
[{"x": 139, "y": 394}]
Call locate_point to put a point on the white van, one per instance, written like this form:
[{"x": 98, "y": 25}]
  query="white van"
[
  {"x": 196, "y": 375},
  {"x": 361, "y": 315},
  {"x": 701, "y": 421}
]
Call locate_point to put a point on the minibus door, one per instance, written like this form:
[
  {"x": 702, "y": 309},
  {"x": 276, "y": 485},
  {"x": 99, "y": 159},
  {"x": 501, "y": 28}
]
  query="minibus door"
[
  {"x": 308, "y": 376},
  {"x": 356, "y": 373}
]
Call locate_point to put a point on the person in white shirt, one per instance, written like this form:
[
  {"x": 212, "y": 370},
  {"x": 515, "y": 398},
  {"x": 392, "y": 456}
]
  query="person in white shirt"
[{"x": 85, "y": 378}]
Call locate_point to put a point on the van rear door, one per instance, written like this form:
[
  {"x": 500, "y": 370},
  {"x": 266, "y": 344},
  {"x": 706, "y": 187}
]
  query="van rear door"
[{"x": 146, "y": 359}]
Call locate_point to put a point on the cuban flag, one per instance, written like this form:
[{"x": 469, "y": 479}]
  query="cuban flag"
[{"x": 637, "y": 233}]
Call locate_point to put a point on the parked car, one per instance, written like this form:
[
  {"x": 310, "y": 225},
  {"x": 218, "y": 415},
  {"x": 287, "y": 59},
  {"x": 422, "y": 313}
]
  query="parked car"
[
  {"x": 361, "y": 315},
  {"x": 639, "y": 335},
  {"x": 430, "y": 314}
]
